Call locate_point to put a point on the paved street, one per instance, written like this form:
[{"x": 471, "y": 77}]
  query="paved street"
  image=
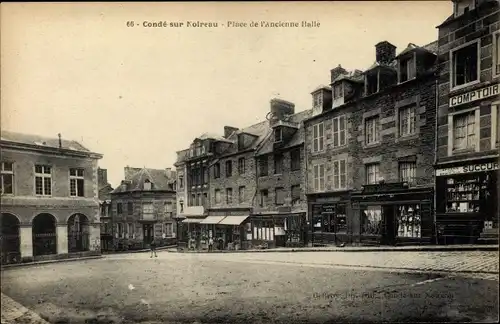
[{"x": 258, "y": 288}]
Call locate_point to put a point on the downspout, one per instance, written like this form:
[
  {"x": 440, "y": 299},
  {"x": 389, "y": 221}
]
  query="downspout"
[
  {"x": 436, "y": 132},
  {"x": 306, "y": 185}
]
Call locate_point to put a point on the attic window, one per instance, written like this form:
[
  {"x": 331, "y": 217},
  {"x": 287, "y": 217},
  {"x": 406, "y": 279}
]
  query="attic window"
[
  {"x": 278, "y": 135},
  {"x": 241, "y": 142},
  {"x": 371, "y": 80},
  {"x": 317, "y": 100},
  {"x": 463, "y": 6},
  {"x": 406, "y": 68},
  {"x": 338, "y": 91},
  {"x": 147, "y": 185}
]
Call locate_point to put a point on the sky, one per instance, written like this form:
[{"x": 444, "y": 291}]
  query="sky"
[{"x": 137, "y": 95}]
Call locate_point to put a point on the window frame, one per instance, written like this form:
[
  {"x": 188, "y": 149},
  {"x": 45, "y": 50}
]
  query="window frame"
[
  {"x": 318, "y": 100},
  {"x": 278, "y": 131},
  {"x": 229, "y": 168},
  {"x": 295, "y": 159},
  {"x": 229, "y": 196},
  {"x": 297, "y": 199},
  {"x": 410, "y": 58},
  {"x": 317, "y": 139},
  {"x": 263, "y": 202},
  {"x": 278, "y": 163},
  {"x": 477, "y": 43},
  {"x": 496, "y": 53},
  {"x": 263, "y": 161},
  {"x": 241, "y": 165},
  {"x": 400, "y": 111},
  {"x": 241, "y": 194},
  {"x": 217, "y": 170},
  {"x": 413, "y": 170},
  {"x": 317, "y": 179},
  {"x": 338, "y": 85},
  {"x": 376, "y": 174},
  {"x": 75, "y": 178},
  {"x": 336, "y": 121},
  {"x": 338, "y": 186},
  {"x": 376, "y": 128},
  {"x": 279, "y": 190},
  {"x": 119, "y": 208},
  {"x": 217, "y": 196},
  {"x": 10, "y": 173},
  {"x": 451, "y": 131},
  {"x": 43, "y": 176}
]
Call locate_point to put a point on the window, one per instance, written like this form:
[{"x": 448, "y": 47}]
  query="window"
[
  {"x": 371, "y": 220},
  {"x": 229, "y": 168},
  {"x": 205, "y": 199},
  {"x": 119, "y": 208},
  {"x": 278, "y": 164},
  {"x": 241, "y": 165},
  {"x": 339, "y": 131},
  {"x": 217, "y": 196},
  {"x": 295, "y": 159},
  {"x": 148, "y": 212},
  {"x": 279, "y": 196},
  {"x": 181, "y": 183},
  {"x": 147, "y": 184},
  {"x": 372, "y": 173},
  {"x": 7, "y": 180},
  {"x": 198, "y": 199},
  {"x": 372, "y": 130},
  {"x": 130, "y": 208},
  {"x": 329, "y": 218},
  {"x": 193, "y": 199},
  {"x": 241, "y": 142},
  {"x": 263, "y": 230},
  {"x": 338, "y": 91},
  {"x": 43, "y": 180},
  {"x": 263, "y": 197},
  {"x": 278, "y": 135},
  {"x": 168, "y": 209},
  {"x": 263, "y": 166},
  {"x": 465, "y": 65},
  {"x": 496, "y": 58},
  {"x": 407, "y": 172},
  {"x": 241, "y": 194},
  {"x": 463, "y": 6},
  {"x": 339, "y": 174},
  {"x": 407, "y": 121},
  {"x": 409, "y": 220},
  {"x": 467, "y": 193},
  {"x": 229, "y": 195},
  {"x": 217, "y": 170},
  {"x": 295, "y": 190},
  {"x": 130, "y": 230},
  {"x": 371, "y": 82},
  {"x": 406, "y": 69},
  {"x": 318, "y": 140},
  {"x": 319, "y": 177},
  {"x": 317, "y": 100},
  {"x": 464, "y": 131},
  {"x": 120, "y": 230}
]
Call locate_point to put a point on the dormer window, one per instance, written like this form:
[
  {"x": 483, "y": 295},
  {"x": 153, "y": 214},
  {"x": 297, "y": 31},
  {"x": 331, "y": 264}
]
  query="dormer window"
[
  {"x": 317, "y": 100},
  {"x": 278, "y": 135},
  {"x": 338, "y": 91},
  {"x": 463, "y": 6},
  {"x": 371, "y": 82},
  {"x": 147, "y": 185},
  {"x": 407, "y": 68},
  {"x": 241, "y": 142}
]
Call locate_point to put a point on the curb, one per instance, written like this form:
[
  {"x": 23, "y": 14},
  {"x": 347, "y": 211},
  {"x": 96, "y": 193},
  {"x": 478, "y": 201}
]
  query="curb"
[
  {"x": 140, "y": 251},
  {"x": 19, "y": 265},
  {"x": 423, "y": 249}
]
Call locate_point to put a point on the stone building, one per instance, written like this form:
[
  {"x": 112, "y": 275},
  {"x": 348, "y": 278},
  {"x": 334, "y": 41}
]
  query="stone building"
[
  {"x": 104, "y": 195},
  {"x": 468, "y": 123},
  {"x": 49, "y": 203},
  {"x": 370, "y": 151},
  {"x": 144, "y": 207}
]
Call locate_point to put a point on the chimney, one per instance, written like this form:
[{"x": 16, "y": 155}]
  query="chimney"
[
  {"x": 60, "y": 141},
  {"x": 335, "y": 72},
  {"x": 102, "y": 176},
  {"x": 168, "y": 172},
  {"x": 385, "y": 52},
  {"x": 281, "y": 108},
  {"x": 228, "y": 130}
]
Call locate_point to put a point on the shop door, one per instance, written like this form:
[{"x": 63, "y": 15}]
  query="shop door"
[
  {"x": 147, "y": 233},
  {"x": 389, "y": 227}
]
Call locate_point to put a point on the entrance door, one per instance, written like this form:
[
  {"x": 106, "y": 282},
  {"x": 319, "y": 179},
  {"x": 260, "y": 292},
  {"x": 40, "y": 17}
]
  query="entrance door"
[
  {"x": 147, "y": 233},
  {"x": 389, "y": 233}
]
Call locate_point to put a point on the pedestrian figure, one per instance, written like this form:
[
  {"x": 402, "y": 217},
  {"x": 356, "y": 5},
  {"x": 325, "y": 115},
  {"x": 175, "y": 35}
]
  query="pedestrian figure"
[
  {"x": 152, "y": 245},
  {"x": 210, "y": 244}
]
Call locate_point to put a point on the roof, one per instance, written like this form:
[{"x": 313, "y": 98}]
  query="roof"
[
  {"x": 321, "y": 87},
  {"x": 158, "y": 178},
  {"x": 259, "y": 131},
  {"x": 354, "y": 76},
  {"x": 297, "y": 138},
  {"x": 42, "y": 141},
  {"x": 431, "y": 47},
  {"x": 212, "y": 136}
]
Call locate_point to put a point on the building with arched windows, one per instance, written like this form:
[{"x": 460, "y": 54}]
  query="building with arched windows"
[{"x": 49, "y": 204}]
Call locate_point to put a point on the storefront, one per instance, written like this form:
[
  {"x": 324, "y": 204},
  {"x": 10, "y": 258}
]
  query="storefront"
[
  {"x": 283, "y": 229},
  {"x": 392, "y": 214},
  {"x": 329, "y": 223},
  {"x": 228, "y": 227},
  {"x": 467, "y": 204}
]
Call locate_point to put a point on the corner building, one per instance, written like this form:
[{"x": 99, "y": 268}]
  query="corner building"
[
  {"x": 468, "y": 124},
  {"x": 370, "y": 151}
]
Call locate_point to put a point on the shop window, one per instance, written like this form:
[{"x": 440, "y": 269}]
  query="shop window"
[
  {"x": 293, "y": 228},
  {"x": 241, "y": 165},
  {"x": 330, "y": 219},
  {"x": 409, "y": 221},
  {"x": 407, "y": 121},
  {"x": 318, "y": 137},
  {"x": 295, "y": 159},
  {"x": 263, "y": 230},
  {"x": 278, "y": 163},
  {"x": 341, "y": 218},
  {"x": 217, "y": 170},
  {"x": 319, "y": 177},
  {"x": 371, "y": 220},
  {"x": 464, "y": 193},
  {"x": 279, "y": 196},
  {"x": 464, "y": 131},
  {"x": 263, "y": 166},
  {"x": 465, "y": 63},
  {"x": 229, "y": 168},
  {"x": 372, "y": 173},
  {"x": 372, "y": 130},
  {"x": 7, "y": 180},
  {"x": 407, "y": 172},
  {"x": 217, "y": 196},
  {"x": 339, "y": 131}
]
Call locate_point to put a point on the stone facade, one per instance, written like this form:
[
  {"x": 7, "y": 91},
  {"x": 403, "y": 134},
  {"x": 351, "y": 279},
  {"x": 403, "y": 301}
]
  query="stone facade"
[{"x": 45, "y": 220}]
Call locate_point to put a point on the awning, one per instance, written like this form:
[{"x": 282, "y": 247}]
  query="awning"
[
  {"x": 212, "y": 219},
  {"x": 193, "y": 220},
  {"x": 233, "y": 220}
]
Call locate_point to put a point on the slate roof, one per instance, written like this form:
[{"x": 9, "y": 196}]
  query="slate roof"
[
  {"x": 42, "y": 141},
  {"x": 157, "y": 177},
  {"x": 297, "y": 138},
  {"x": 259, "y": 130},
  {"x": 212, "y": 136}
]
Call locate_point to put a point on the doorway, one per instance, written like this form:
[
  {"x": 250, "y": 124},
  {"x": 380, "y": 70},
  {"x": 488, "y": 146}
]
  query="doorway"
[
  {"x": 389, "y": 233},
  {"x": 147, "y": 234}
]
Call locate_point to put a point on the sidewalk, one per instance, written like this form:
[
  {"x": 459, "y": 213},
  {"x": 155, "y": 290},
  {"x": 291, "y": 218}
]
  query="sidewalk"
[
  {"x": 13, "y": 313},
  {"x": 414, "y": 248}
]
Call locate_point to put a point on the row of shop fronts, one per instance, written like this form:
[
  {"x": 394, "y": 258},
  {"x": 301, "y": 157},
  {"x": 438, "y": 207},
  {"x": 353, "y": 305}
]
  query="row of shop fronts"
[{"x": 242, "y": 229}]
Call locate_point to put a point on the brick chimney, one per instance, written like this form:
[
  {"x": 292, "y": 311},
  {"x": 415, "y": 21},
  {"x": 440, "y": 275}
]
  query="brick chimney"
[
  {"x": 102, "y": 177},
  {"x": 281, "y": 108},
  {"x": 335, "y": 72},
  {"x": 228, "y": 130},
  {"x": 385, "y": 52}
]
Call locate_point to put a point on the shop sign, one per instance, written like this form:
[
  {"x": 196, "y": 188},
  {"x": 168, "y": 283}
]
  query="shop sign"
[
  {"x": 468, "y": 169},
  {"x": 328, "y": 209},
  {"x": 475, "y": 95}
]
